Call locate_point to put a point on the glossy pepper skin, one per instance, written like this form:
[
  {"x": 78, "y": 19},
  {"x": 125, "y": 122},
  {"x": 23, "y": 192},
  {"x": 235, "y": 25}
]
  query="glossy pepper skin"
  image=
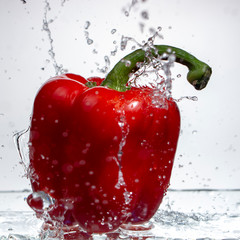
[{"x": 104, "y": 155}]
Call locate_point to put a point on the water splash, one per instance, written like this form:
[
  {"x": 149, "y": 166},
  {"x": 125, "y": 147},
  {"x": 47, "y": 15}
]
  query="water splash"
[
  {"x": 192, "y": 98},
  {"x": 126, "y": 10},
  {"x": 86, "y": 33},
  {"x": 155, "y": 71},
  {"x": 21, "y": 142},
  {"x": 46, "y": 27},
  {"x": 106, "y": 66}
]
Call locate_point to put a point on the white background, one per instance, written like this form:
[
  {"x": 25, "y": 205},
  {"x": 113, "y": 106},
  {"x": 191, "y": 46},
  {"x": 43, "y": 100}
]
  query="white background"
[{"x": 208, "y": 153}]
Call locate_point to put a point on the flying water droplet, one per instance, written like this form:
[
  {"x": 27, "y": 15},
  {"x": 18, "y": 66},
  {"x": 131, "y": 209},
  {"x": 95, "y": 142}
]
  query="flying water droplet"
[
  {"x": 113, "y": 31},
  {"x": 126, "y": 13},
  {"x": 194, "y": 131},
  {"x": 107, "y": 60},
  {"x": 124, "y": 41},
  {"x": 145, "y": 15},
  {"x": 87, "y": 25},
  {"x": 89, "y": 41}
]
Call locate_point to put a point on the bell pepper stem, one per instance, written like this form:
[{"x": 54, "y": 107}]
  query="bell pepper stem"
[{"x": 198, "y": 75}]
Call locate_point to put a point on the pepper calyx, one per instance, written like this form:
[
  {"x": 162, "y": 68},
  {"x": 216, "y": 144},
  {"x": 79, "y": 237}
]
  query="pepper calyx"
[{"x": 91, "y": 84}]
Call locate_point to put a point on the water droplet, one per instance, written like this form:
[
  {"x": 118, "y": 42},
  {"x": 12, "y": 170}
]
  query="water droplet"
[
  {"x": 67, "y": 168},
  {"x": 127, "y": 62},
  {"x": 121, "y": 181},
  {"x": 120, "y": 124},
  {"x": 65, "y": 134},
  {"x": 89, "y": 41},
  {"x": 87, "y": 184},
  {"x": 82, "y": 162},
  {"x": 172, "y": 58},
  {"x": 141, "y": 25},
  {"x": 126, "y": 13},
  {"x": 179, "y": 75},
  {"x": 238, "y": 205},
  {"x": 105, "y": 202},
  {"x": 127, "y": 197},
  {"x": 123, "y": 43},
  {"x": 145, "y": 15},
  {"x": 55, "y": 162},
  {"x": 87, "y": 25},
  {"x": 113, "y": 31},
  {"x": 40, "y": 201},
  {"x": 194, "y": 131},
  {"x": 107, "y": 60},
  {"x": 113, "y": 53}
]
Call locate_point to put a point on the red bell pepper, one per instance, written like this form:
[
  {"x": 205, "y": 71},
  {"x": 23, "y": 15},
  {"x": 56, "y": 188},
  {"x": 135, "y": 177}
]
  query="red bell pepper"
[{"x": 103, "y": 151}]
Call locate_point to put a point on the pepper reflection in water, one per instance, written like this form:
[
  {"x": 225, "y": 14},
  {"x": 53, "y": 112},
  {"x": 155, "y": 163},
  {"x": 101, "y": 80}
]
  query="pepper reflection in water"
[{"x": 89, "y": 172}]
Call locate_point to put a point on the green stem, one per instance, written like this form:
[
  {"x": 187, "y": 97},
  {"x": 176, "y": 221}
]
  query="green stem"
[{"x": 198, "y": 75}]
